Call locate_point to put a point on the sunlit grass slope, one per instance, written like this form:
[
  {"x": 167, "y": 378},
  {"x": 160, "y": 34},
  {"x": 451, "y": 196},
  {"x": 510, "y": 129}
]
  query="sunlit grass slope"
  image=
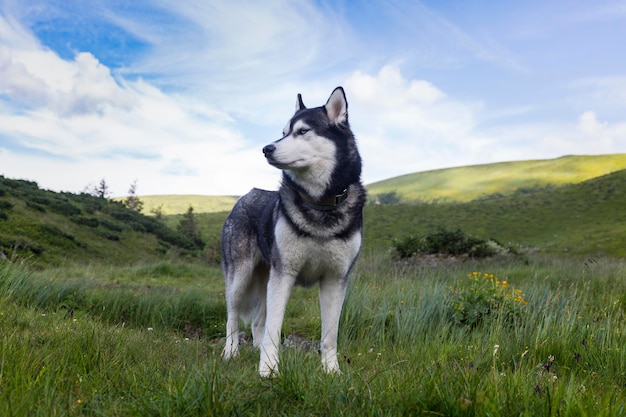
[
  {"x": 177, "y": 204},
  {"x": 471, "y": 182},
  {"x": 585, "y": 218}
]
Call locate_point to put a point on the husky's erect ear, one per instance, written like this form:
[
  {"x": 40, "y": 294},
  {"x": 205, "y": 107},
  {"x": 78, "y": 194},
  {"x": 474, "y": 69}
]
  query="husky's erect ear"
[
  {"x": 337, "y": 106},
  {"x": 299, "y": 104}
]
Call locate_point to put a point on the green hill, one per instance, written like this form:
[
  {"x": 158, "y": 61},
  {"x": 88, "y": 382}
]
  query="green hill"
[
  {"x": 585, "y": 218},
  {"x": 177, "y": 204},
  {"x": 471, "y": 182},
  {"x": 443, "y": 185},
  {"x": 581, "y": 217},
  {"x": 48, "y": 228}
]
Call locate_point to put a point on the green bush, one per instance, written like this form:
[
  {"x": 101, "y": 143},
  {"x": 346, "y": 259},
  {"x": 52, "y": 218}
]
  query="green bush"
[
  {"x": 112, "y": 236},
  {"x": 111, "y": 225},
  {"x": 212, "y": 252},
  {"x": 483, "y": 296},
  {"x": 5, "y": 205},
  {"x": 85, "y": 221},
  {"x": 23, "y": 247},
  {"x": 63, "y": 207},
  {"x": 387, "y": 198},
  {"x": 444, "y": 242},
  {"x": 35, "y": 206},
  {"x": 409, "y": 246}
]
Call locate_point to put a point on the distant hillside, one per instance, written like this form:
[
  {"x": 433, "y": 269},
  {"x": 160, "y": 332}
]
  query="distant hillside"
[
  {"x": 471, "y": 182},
  {"x": 583, "y": 217},
  {"x": 443, "y": 185},
  {"x": 586, "y": 218},
  {"x": 177, "y": 204},
  {"x": 48, "y": 228}
]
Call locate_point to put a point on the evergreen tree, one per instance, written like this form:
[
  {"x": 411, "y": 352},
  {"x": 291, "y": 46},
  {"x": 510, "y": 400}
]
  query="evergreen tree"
[
  {"x": 158, "y": 212},
  {"x": 101, "y": 190},
  {"x": 132, "y": 201},
  {"x": 189, "y": 227}
]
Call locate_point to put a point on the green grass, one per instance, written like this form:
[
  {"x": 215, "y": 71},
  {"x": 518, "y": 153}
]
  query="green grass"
[
  {"x": 583, "y": 219},
  {"x": 471, "y": 182},
  {"x": 178, "y": 204},
  {"x": 54, "y": 229},
  {"x": 401, "y": 353}
]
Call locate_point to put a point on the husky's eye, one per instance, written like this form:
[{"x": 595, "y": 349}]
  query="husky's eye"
[{"x": 303, "y": 131}]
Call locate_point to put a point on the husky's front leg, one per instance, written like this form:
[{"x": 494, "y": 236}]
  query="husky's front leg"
[
  {"x": 332, "y": 295},
  {"x": 278, "y": 292}
]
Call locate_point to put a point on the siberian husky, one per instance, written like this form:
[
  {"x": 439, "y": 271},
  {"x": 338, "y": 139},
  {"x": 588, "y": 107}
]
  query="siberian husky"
[{"x": 308, "y": 232}]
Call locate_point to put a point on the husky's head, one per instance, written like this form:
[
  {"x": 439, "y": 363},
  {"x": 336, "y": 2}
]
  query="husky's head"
[{"x": 317, "y": 150}]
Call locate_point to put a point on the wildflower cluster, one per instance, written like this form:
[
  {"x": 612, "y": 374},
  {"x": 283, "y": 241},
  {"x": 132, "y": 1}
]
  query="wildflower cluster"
[{"x": 484, "y": 295}]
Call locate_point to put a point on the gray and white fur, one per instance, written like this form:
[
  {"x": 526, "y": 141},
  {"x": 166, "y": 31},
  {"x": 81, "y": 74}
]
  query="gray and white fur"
[{"x": 308, "y": 232}]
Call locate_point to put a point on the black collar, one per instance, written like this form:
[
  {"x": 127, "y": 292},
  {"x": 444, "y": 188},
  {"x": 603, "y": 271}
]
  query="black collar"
[{"x": 330, "y": 203}]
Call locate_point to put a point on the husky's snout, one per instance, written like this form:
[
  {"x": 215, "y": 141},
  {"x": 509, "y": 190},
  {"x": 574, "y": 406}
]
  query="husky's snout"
[{"x": 269, "y": 150}]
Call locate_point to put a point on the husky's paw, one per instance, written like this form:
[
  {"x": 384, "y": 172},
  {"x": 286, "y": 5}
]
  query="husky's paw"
[
  {"x": 332, "y": 371},
  {"x": 331, "y": 367},
  {"x": 228, "y": 354},
  {"x": 267, "y": 371}
]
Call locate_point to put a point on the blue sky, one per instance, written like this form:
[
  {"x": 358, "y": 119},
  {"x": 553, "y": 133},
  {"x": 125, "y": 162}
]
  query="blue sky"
[{"x": 181, "y": 96}]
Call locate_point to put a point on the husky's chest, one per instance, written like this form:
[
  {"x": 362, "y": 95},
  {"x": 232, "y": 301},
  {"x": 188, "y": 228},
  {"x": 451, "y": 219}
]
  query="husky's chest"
[{"x": 311, "y": 259}]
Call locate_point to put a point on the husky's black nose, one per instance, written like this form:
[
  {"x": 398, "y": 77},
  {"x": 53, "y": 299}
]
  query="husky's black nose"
[{"x": 269, "y": 150}]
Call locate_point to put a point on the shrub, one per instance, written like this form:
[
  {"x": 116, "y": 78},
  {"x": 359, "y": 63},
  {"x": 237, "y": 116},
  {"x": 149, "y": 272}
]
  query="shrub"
[
  {"x": 409, "y": 246},
  {"x": 111, "y": 225},
  {"x": 35, "y": 206},
  {"x": 483, "y": 296},
  {"x": 85, "y": 221},
  {"x": 213, "y": 251},
  {"x": 444, "y": 242},
  {"x": 110, "y": 235},
  {"x": 387, "y": 198},
  {"x": 63, "y": 207}
]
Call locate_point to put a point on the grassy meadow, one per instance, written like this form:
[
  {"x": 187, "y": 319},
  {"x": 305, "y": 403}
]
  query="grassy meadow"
[
  {"x": 108, "y": 312},
  {"x": 145, "y": 340}
]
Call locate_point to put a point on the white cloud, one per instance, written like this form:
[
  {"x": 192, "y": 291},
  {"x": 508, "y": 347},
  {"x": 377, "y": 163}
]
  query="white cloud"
[
  {"x": 17, "y": 82},
  {"x": 406, "y": 125},
  {"x": 79, "y": 124},
  {"x": 34, "y": 76},
  {"x": 217, "y": 81},
  {"x": 589, "y": 124},
  {"x": 229, "y": 49}
]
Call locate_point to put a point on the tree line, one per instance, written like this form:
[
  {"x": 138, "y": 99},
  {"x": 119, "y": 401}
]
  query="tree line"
[{"x": 187, "y": 226}]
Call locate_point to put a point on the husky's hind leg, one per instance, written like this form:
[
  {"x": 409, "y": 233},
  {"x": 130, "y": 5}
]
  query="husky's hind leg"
[
  {"x": 237, "y": 284},
  {"x": 260, "y": 278}
]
